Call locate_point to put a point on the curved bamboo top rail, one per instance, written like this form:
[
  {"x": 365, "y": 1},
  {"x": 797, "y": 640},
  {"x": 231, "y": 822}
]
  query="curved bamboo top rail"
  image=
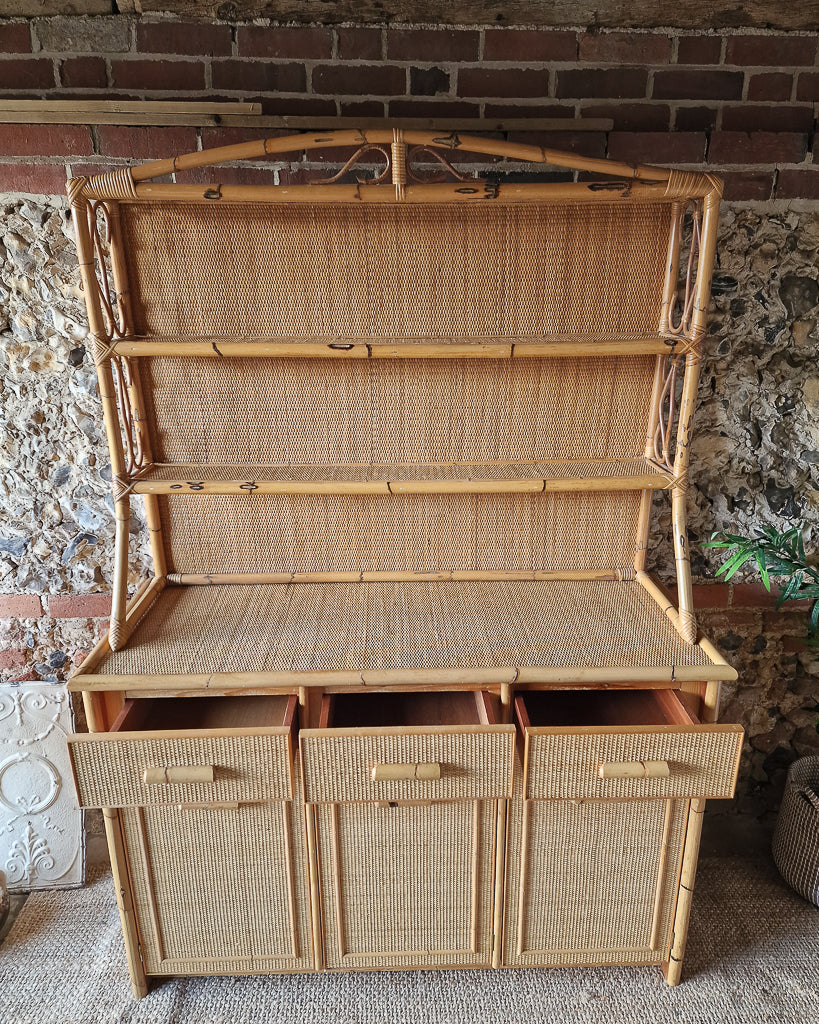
[
  {"x": 637, "y": 181},
  {"x": 384, "y": 136}
]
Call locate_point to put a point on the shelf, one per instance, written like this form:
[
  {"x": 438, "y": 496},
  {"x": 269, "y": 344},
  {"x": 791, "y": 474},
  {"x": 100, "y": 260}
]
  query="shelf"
[
  {"x": 487, "y": 632},
  {"x": 438, "y": 347},
  {"x": 429, "y": 478}
]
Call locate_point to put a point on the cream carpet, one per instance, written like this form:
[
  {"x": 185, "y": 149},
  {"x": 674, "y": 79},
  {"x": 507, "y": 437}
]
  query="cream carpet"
[{"x": 753, "y": 958}]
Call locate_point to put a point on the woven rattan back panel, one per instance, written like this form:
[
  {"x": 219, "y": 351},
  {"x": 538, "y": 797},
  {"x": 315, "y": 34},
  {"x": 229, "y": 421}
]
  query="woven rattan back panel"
[
  {"x": 324, "y": 411},
  {"x": 379, "y": 271},
  {"x": 399, "y": 533}
]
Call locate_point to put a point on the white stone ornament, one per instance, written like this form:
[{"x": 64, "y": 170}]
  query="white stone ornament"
[{"x": 41, "y": 828}]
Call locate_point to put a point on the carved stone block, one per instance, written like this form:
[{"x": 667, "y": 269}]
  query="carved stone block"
[{"x": 42, "y": 844}]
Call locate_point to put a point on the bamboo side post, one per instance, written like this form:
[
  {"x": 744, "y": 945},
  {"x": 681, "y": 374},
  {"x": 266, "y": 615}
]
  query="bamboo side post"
[
  {"x": 672, "y": 968},
  {"x": 125, "y": 900},
  {"x": 85, "y": 251},
  {"x": 705, "y": 260},
  {"x": 123, "y": 290},
  {"x": 122, "y": 286},
  {"x": 117, "y": 630}
]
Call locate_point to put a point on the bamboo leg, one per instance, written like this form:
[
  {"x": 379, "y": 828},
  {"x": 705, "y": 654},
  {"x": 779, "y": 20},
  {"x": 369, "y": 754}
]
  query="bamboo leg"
[
  {"x": 125, "y": 903},
  {"x": 117, "y": 635},
  {"x": 672, "y": 969},
  {"x": 315, "y": 891},
  {"x": 499, "y": 883}
]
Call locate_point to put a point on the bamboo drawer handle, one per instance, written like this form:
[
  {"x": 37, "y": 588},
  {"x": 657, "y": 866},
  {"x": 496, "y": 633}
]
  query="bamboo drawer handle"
[
  {"x": 393, "y": 772},
  {"x": 178, "y": 774},
  {"x": 634, "y": 770}
]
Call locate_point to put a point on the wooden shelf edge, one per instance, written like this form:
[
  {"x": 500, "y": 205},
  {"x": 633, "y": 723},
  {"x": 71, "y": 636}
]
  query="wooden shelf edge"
[
  {"x": 373, "y": 349},
  {"x": 469, "y": 678},
  {"x": 521, "y": 485}
]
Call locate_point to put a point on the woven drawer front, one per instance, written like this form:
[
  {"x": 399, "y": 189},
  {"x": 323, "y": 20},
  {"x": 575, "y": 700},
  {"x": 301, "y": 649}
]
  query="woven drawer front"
[
  {"x": 475, "y": 763},
  {"x": 109, "y": 768},
  {"x": 702, "y": 762}
]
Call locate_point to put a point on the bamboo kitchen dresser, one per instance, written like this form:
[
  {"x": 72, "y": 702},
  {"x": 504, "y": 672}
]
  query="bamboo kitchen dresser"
[{"x": 400, "y": 692}]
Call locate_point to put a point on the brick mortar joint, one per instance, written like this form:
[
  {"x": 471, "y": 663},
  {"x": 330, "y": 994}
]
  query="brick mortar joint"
[{"x": 157, "y": 18}]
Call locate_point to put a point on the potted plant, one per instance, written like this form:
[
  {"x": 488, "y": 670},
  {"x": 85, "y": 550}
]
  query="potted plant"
[{"x": 796, "y": 836}]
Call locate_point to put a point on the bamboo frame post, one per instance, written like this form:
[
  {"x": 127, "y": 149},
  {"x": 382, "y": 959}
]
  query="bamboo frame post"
[
  {"x": 693, "y": 361},
  {"x": 81, "y": 211},
  {"x": 672, "y": 968},
  {"x": 123, "y": 295},
  {"x": 119, "y": 868}
]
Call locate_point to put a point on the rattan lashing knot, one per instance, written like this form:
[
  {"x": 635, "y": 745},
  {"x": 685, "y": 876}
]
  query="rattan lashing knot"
[
  {"x": 399, "y": 163},
  {"x": 76, "y": 190},
  {"x": 102, "y": 348},
  {"x": 117, "y": 184},
  {"x": 121, "y": 486},
  {"x": 687, "y": 625},
  {"x": 686, "y": 184}
]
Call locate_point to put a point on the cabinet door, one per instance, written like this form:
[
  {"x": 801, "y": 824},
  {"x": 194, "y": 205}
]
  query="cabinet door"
[
  {"x": 220, "y": 890},
  {"x": 592, "y": 881},
  {"x": 407, "y": 884}
]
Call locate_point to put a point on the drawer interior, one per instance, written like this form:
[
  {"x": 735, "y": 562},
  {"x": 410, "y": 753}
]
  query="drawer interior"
[
  {"x": 195, "y": 713},
  {"x": 378, "y": 710},
  {"x": 577, "y": 708}
]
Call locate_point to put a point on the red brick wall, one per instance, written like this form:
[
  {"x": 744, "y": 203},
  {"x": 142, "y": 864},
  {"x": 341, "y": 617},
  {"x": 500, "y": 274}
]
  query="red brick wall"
[{"x": 738, "y": 103}]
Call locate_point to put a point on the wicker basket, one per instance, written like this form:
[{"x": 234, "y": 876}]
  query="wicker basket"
[{"x": 796, "y": 839}]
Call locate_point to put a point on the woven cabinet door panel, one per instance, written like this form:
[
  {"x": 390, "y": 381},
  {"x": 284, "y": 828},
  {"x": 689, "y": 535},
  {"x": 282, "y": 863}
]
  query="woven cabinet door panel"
[
  {"x": 407, "y": 885},
  {"x": 592, "y": 882},
  {"x": 220, "y": 890}
]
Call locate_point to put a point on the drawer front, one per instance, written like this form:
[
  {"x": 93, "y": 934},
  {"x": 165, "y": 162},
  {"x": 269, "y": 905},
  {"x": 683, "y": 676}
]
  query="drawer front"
[
  {"x": 681, "y": 761},
  {"x": 110, "y": 768},
  {"x": 475, "y": 763}
]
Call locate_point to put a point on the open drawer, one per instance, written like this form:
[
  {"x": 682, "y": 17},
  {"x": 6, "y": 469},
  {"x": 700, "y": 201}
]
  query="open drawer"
[
  {"x": 189, "y": 750},
  {"x": 407, "y": 746},
  {"x": 622, "y": 744}
]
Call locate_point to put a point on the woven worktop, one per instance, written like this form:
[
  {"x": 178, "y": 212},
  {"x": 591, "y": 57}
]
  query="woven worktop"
[{"x": 383, "y": 626}]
